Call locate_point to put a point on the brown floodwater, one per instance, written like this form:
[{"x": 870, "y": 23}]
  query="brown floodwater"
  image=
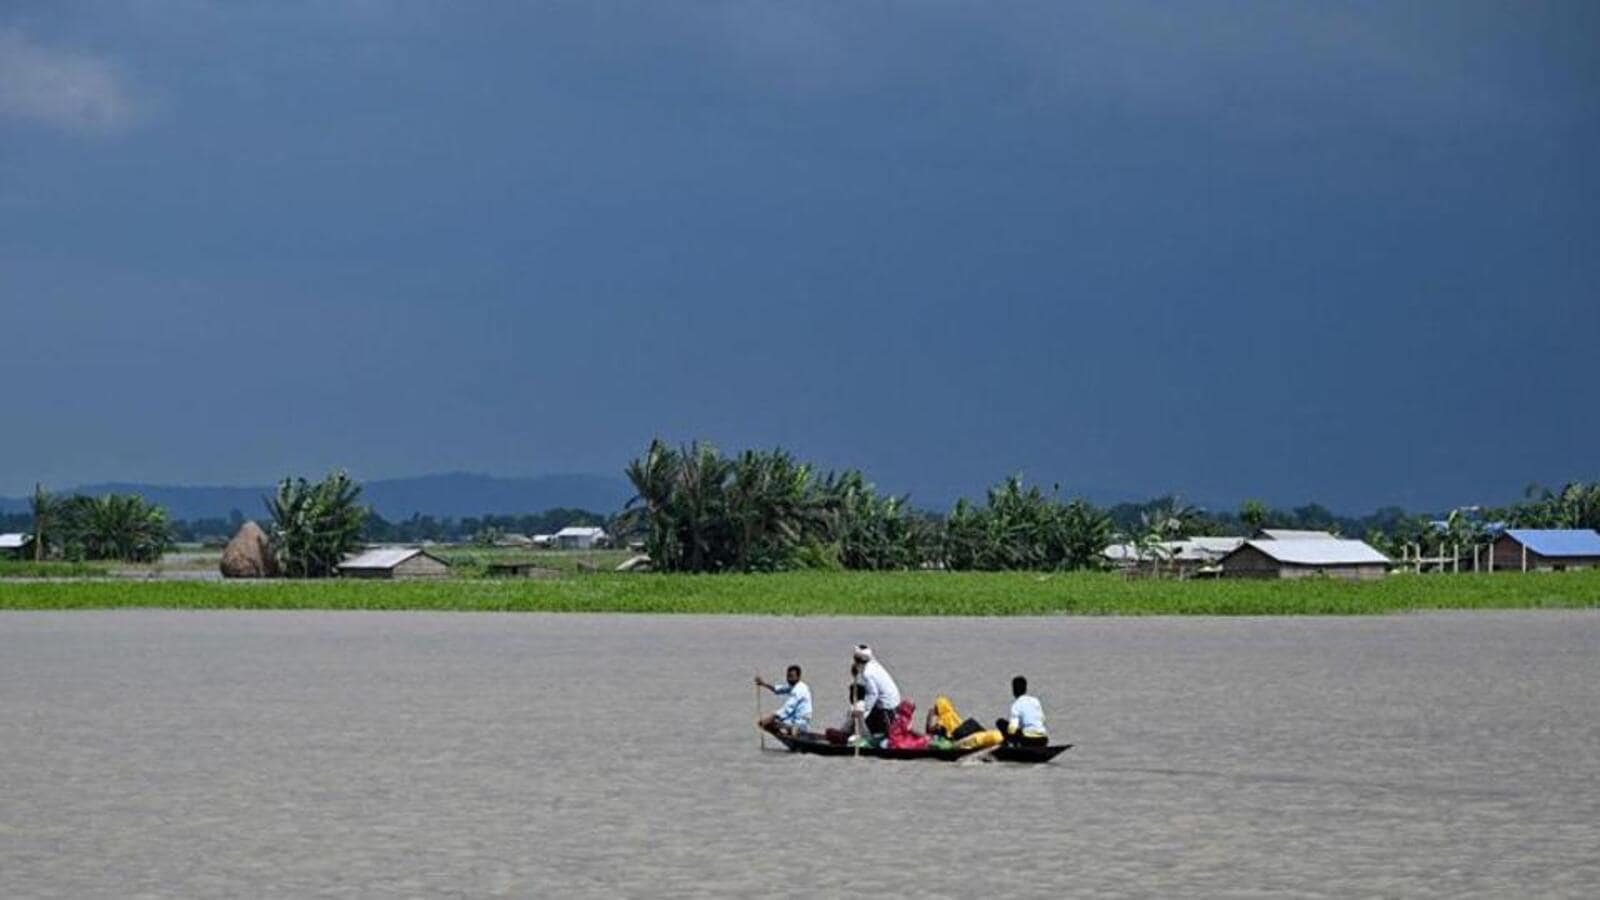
[{"x": 157, "y": 753}]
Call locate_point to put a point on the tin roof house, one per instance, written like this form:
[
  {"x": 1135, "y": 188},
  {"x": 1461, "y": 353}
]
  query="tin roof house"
[
  {"x": 1545, "y": 549},
  {"x": 394, "y": 562},
  {"x": 15, "y": 545},
  {"x": 580, "y": 537},
  {"x": 1328, "y": 556}
]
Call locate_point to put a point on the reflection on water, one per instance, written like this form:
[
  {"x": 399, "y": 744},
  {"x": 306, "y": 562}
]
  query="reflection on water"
[{"x": 237, "y": 753}]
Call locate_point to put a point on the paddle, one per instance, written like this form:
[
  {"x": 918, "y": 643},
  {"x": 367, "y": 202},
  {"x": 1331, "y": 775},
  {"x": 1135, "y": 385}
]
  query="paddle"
[{"x": 758, "y": 714}]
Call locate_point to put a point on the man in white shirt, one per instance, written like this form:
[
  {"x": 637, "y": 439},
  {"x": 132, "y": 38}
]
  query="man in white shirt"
[
  {"x": 879, "y": 692},
  {"x": 1026, "y": 726},
  {"x": 795, "y": 714}
]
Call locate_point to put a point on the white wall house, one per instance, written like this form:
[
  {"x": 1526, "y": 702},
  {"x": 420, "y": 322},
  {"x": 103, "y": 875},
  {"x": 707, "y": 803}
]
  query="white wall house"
[
  {"x": 15, "y": 545},
  {"x": 581, "y": 537}
]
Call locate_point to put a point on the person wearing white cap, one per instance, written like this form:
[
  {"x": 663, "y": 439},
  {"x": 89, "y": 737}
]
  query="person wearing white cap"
[{"x": 879, "y": 692}]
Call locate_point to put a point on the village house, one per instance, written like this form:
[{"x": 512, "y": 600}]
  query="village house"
[
  {"x": 1332, "y": 557},
  {"x": 580, "y": 537},
  {"x": 1189, "y": 556},
  {"x": 15, "y": 545},
  {"x": 1544, "y": 550},
  {"x": 394, "y": 562}
]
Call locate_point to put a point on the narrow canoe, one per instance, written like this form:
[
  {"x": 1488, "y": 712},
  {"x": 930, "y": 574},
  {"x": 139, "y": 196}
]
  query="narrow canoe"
[{"x": 820, "y": 746}]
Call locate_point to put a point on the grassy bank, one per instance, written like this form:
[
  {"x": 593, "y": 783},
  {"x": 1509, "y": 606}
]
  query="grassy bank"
[
  {"x": 826, "y": 593},
  {"x": 29, "y": 569},
  {"x": 472, "y": 562}
]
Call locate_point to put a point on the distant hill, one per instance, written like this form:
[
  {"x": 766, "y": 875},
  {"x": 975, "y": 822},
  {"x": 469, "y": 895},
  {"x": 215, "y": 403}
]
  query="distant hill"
[{"x": 453, "y": 495}]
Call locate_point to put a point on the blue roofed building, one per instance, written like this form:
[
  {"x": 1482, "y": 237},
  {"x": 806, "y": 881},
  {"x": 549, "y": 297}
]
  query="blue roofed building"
[{"x": 1545, "y": 549}]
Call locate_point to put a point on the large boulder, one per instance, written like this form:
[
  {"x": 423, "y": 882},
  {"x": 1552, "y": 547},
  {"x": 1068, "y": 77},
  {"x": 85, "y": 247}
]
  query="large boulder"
[{"x": 249, "y": 555}]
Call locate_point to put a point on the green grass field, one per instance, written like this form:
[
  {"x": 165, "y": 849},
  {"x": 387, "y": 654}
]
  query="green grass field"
[{"x": 852, "y": 593}]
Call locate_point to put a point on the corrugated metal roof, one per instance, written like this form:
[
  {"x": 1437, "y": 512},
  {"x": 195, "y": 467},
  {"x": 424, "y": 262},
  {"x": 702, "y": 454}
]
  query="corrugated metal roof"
[
  {"x": 1214, "y": 545},
  {"x": 1292, "y": 534},
  {"x": 1195, "y": 549},
  {"x": 1320, "y": 552},
  {"x": 381, "y": 558},
  {"x": 1558, "y": 541},
  {"x": 13, "y": 541},
  {"x": 581, "y": 531}
]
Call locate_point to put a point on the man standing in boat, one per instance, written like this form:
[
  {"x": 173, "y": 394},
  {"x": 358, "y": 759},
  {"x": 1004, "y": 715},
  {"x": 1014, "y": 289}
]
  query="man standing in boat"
[
  {"x": 795, "y": 714},
  {"x": 879, "y": 692}
]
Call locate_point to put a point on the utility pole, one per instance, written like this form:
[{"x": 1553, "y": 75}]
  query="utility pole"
[{"x": 40, "y": 501}]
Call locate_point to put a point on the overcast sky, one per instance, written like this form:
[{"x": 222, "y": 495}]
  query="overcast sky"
[{"x": 1345, "y": 252}]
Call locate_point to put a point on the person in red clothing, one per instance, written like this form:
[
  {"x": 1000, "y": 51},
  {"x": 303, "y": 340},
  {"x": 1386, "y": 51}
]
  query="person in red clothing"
[{"x": 901, "y": 735}]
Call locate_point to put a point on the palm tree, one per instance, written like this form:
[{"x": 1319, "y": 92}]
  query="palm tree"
[
  {"x": 1579, "y": 505},
  {"x": 43, "y": 506},
  {"x": 117, "y": 526},
  {"x": 1252, "y": 514},
  {"x": 654, "y": 476}
]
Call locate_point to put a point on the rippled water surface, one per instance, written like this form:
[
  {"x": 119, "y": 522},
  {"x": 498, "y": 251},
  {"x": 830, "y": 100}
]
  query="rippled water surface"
[{"x": 196, "y": 754}]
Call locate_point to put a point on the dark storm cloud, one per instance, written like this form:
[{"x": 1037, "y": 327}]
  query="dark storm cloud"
[{"x": 1329, "y": 251}]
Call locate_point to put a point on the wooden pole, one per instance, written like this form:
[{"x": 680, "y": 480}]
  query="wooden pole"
[
  {"x": 1455, "y": 559},
  {"x": 1524, "y": 557},
  {"x": 763, "y": 731}
]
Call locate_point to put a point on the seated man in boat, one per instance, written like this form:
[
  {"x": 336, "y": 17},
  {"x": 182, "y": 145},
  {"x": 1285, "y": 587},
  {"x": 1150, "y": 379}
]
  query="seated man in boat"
[
  {"x": 795, "y": 714},
  {"x": 879, "y": 691},
  {"x": 1025, "y": 728}
]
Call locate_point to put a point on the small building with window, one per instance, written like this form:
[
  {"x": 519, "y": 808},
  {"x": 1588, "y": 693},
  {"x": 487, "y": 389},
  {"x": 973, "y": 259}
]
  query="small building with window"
[{"x": 1544, "y": 550}]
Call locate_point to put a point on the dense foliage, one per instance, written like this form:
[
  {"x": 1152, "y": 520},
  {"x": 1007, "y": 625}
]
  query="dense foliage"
[
  {"x": 315, "y": 525},
  {"x": 764, "y": 511},
  {"x": 1019, "y": 528},
  {"x": 117, "y": 526}
]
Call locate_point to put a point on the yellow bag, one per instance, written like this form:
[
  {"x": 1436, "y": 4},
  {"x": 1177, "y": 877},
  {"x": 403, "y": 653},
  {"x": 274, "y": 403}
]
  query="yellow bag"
[{"x": 981, "y": 740}]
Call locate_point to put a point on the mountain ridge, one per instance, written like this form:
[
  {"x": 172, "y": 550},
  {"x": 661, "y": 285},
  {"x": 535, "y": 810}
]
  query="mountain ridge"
[{"x": 446, "y": 495}]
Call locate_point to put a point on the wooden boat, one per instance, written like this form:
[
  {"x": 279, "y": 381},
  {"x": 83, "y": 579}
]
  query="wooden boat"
[{"x": 821, "y": 746}]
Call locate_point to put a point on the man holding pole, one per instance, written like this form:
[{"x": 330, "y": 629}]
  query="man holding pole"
[
  {"x": 879, "y": 691},
  {"x": 795, "y": 714}
]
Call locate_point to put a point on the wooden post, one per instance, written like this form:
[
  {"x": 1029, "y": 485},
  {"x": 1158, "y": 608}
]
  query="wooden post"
[
  {"x": 1524, "y": 557},
  {"x": 1455, "y": 559},
  {"x": 1491, "y": 556}
]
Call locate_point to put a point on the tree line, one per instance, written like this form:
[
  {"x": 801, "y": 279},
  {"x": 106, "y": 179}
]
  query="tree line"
[
  {"x": 114, "y": 527},
  {"x": 697, "y": 510},
  {"x": 764, "y": 510}
]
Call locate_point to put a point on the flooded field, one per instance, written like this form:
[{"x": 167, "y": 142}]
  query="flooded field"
[{"x": 151, "y": 753}]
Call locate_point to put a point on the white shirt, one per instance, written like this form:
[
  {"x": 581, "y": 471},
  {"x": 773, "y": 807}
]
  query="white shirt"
[
  {"x": 796, "y": 710},
  {"x": 1027, "y": 715},
  {"x": 881, "y": 691}
]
